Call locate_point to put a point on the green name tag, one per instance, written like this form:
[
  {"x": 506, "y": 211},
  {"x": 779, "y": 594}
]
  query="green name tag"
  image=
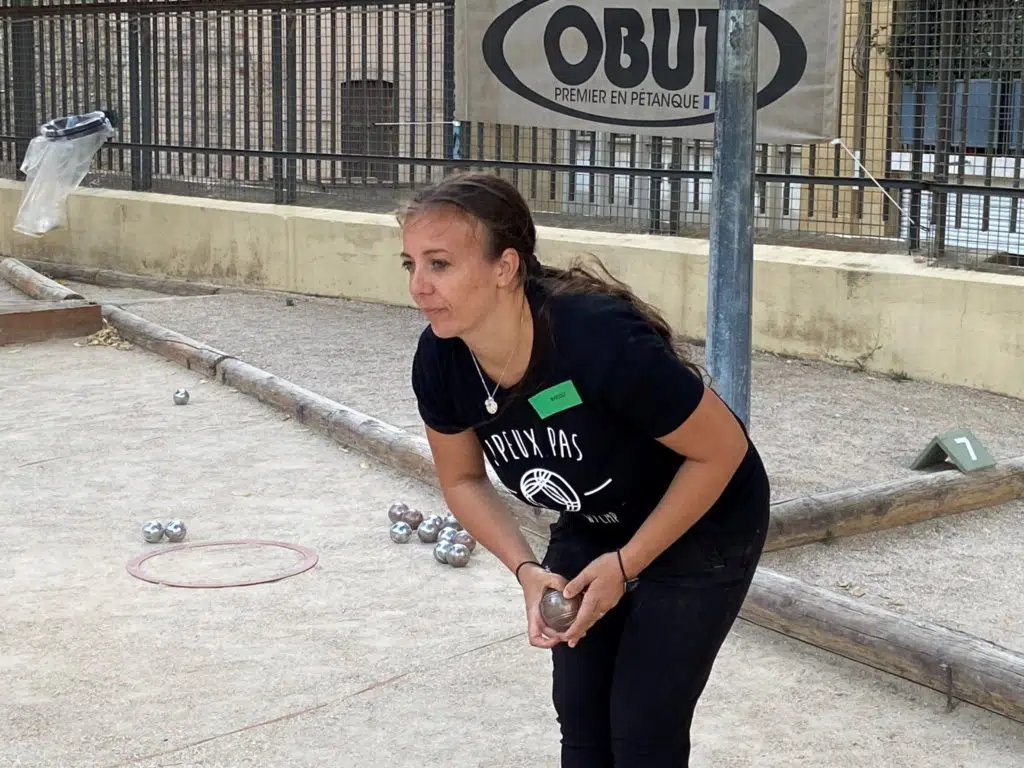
[{"x": 556, "y": 399}]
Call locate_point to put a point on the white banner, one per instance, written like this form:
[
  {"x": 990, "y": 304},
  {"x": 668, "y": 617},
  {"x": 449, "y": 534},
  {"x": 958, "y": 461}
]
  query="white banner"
[{"x": 648, "y": 68}]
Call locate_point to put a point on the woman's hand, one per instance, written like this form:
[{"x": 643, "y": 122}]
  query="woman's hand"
[
  {"x": 602, "y": 586},
  {"x": 535, "y": 580}
]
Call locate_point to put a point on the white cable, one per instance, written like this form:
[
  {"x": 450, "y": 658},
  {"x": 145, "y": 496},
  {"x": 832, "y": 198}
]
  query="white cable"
[
  {"x": 424, "y": 122},
  {"x": 837, "y": 142}
]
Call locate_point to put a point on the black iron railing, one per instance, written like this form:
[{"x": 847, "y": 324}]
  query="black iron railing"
[{"x": 351, "y": 104}]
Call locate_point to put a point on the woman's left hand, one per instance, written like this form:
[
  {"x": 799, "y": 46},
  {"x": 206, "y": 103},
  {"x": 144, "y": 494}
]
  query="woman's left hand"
[{"x": 602, "y": 587}]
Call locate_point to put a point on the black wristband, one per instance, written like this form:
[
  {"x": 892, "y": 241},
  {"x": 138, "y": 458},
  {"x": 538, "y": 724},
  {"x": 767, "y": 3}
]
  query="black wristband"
[
  {"x": 526, "y": 562},
  {"x": 628, "y": 584},
  {"x": 618, "y": 554}
]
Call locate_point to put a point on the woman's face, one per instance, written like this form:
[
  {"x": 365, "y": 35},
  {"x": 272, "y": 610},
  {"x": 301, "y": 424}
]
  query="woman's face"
[{"x": 451, "y": 278}]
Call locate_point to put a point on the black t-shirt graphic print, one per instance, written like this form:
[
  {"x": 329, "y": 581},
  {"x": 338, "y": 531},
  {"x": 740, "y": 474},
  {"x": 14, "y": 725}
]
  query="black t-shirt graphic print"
[{"x": 579, "y": 436}]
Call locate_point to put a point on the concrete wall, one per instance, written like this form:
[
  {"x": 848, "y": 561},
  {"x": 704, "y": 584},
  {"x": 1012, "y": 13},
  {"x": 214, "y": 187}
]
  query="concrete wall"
[{"x": 884, "y": 312}]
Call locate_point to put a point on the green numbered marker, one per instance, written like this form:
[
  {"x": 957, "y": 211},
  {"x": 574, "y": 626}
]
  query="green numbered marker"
[{"x": 960, "y": 446}]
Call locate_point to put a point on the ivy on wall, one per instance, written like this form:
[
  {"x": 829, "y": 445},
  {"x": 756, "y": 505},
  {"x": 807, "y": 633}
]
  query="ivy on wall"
[{"x": 985, "y": 39}]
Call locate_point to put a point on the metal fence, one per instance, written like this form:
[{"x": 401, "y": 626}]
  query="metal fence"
[{"x": 335, "y": 103}]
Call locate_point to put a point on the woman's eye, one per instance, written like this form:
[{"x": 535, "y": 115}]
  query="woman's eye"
[{"x": 438, "y": 264}]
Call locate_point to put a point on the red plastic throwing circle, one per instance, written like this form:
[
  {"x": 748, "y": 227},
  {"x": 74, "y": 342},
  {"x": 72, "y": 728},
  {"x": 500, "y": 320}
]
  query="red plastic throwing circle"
[{"x": 309, "y": 559}]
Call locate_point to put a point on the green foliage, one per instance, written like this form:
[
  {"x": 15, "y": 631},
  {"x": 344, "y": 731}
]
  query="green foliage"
[{"x": 986, "y": 39}]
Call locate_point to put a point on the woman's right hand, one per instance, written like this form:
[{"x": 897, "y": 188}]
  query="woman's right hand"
[{"x": 535, "y": 580}]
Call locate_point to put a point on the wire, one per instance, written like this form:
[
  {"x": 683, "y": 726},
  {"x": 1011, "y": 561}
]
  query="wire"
[{"x": 839, "y": 143}]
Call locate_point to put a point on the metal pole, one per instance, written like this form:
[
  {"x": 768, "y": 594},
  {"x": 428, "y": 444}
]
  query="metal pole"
[
  {"x": 277, "y": 108},
  {"x": 947, "y": 50},
  {"x": 731, "y": 262},
  {"x": 23, "y": 68},
  {"x": 449, "y": 79}
]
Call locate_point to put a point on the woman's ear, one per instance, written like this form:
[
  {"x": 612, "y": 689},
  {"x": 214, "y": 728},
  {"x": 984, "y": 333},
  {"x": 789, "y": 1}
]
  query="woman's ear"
[{"x": 508, "y": 267}]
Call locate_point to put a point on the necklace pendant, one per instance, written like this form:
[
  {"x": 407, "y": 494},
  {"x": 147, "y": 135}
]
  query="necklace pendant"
[{"x": 491, "y": 406}]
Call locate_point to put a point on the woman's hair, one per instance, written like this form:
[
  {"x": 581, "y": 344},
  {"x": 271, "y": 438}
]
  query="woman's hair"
[{"x": 507, "y": 219}]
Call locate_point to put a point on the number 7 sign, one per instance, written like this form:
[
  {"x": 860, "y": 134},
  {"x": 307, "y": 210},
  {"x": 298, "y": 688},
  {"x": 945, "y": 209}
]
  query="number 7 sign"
[
  {"x": 959, "y": 446},
  {"x": 967, "y": 444}
]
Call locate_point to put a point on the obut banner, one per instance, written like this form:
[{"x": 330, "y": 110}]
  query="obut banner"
[{"x": 649, "y": 67}]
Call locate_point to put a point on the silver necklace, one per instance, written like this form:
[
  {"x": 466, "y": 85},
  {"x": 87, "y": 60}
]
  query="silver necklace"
[{"x": 490, "y": 404}]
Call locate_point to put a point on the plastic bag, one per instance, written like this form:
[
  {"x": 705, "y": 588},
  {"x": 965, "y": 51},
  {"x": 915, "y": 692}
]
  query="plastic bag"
[{"x": 55, "y": 164}]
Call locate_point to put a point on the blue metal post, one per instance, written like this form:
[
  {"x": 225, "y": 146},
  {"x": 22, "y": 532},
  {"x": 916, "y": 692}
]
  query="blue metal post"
[{"x": 731, "y": 262}]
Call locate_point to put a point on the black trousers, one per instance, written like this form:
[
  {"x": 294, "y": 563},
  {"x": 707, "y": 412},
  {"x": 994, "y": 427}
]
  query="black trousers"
[{"x": 626, "y": 694}]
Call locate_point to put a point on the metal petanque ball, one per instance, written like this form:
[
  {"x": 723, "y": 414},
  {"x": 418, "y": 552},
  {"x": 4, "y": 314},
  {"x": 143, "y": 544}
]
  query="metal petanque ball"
[
  {"x": 447, "y": 534},
  {"x": 401, "y": 533},
  {"x": 180, "y": 396},
  {"x": 465, "y": 538},
  {"x": 175, "y": 530},
  {"x": 413, "y": 518},
  {"x": 437, "y": 520},
  {"x": 441, "y": 550},
  {"x": 396, "y": 511},
  {"x": 458, "y": 555},
  {"x": 450, "y": 521},
  {"x": 427, "y": 532},
  {"x": 153, "y": 531},
  {"x": 558, "y": 612}
]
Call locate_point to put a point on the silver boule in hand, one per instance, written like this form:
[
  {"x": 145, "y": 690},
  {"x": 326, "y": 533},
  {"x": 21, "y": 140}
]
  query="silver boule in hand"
[{"x": 557, "y": 611}]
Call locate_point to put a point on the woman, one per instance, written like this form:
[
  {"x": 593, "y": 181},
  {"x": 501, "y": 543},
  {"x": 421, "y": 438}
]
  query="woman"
[{"x": 570, "y": 387}]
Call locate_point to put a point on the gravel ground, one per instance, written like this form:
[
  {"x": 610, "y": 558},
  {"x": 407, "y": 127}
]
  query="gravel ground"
[
  {"x": 376, "y": 657},
  {"x": 820, "y": 427}
]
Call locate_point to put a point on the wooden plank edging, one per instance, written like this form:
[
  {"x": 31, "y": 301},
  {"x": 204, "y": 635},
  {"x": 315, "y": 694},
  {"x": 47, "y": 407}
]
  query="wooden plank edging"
[
  {"x": 853, "y": 511},
  {"x": 33, "y": 284},
  {"x": 960, "y": 665},
  {"x": 114, "y": 279}
]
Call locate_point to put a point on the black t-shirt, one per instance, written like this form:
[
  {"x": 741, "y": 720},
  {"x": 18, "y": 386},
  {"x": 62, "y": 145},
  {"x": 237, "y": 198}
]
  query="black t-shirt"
[{"x": 578, "y": 435}]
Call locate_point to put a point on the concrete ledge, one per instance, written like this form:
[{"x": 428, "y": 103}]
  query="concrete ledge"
[{"x": 881, "y": 313}]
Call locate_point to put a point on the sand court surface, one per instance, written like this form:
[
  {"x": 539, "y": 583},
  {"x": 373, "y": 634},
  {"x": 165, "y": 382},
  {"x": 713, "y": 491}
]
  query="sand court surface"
[{"x": 376, "y": 656}]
